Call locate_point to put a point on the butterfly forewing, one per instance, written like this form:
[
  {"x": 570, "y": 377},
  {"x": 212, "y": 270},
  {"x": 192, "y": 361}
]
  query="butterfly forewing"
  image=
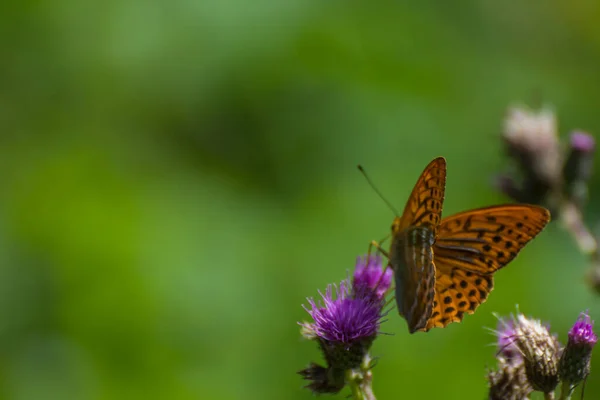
[
  {"x": 424, "y": 206},
  {"x": 486, "y": 239}
]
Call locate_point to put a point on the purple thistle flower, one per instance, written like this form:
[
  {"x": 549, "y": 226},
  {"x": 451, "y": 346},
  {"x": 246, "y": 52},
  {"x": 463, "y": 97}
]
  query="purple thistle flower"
[
  {"x": 345, "y": 323},
  {"x": 370, "y": 275},
  {"x": 576, "y": 358},
  {"x": 344, "y": 319}
]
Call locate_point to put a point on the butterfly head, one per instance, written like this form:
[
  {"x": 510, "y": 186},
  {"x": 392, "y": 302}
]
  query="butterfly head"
[{"x": 397, "y": 226}]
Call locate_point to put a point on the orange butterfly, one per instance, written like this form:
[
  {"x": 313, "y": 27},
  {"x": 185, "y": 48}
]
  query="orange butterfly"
[{"x": 444, "y": 268}]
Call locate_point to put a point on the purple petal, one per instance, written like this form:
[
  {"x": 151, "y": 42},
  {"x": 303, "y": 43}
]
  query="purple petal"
[
  {"x": 507, "y": 348},
  {"x": 370, "y": 275},
  {"x": 582, "y": 331},
  {"x": 582, "y": 141}
]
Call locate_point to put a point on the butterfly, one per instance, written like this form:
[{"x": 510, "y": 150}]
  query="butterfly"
[{"x": 444, "y": 268}]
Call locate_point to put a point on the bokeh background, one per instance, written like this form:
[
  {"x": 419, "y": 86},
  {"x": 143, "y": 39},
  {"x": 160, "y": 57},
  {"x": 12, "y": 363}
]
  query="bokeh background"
[{"x": 177, "y": 177}]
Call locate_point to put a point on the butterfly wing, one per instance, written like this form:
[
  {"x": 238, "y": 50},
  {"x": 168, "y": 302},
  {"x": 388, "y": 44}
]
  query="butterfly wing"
[
  {"x": 424, "y": 206},
  {"x": 486, "y": 239},
  {"x": 470, "y": 247},
  {"x": 457, "y": 292},
  {"x": 414, "y": 275}
]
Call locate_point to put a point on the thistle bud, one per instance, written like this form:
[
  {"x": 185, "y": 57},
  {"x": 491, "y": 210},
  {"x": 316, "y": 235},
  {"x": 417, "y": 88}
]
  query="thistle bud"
[
  {"x": 576, "y": 358},
  {"x": 540, "y": 352},
  {"x": 323, "y": 380},
  {"x": 509, "y": 382}
]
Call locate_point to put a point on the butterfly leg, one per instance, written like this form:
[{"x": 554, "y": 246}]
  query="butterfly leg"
[{"x": 378, "y": 247}]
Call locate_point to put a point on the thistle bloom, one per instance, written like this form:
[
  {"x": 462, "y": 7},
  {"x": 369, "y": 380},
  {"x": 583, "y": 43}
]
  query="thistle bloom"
[
  {"x": 345, "y": 324},
  {"x": 576, "y": 358},
  {"x": 343, "y": 318},
  {"x": 369, "y": 276},
  {"x": 532, "y": 139},
  {"x": 548, "y": 172}
]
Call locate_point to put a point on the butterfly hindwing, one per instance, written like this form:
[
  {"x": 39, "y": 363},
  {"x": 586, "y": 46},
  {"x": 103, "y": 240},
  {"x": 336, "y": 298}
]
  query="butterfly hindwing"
[
  {"x": 486, "y": 239},
  {"x": 414, "y": 273},
  {"x": 457, "y": 292}
]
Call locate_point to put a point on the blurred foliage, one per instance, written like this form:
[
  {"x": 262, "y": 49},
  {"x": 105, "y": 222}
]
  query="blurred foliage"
[{"x": 178, "y": 176}]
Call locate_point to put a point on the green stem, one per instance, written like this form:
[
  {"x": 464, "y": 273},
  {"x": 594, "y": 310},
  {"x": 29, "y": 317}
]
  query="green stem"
[
  {"x": 354, "y": 379},
  {"x": 549, "y": 396},
  {"x": 566, "y": 390},
  {"x": 360, "y": 381}
]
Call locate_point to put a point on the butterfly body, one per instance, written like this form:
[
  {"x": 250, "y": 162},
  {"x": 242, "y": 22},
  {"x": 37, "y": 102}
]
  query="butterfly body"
[{"x": 443, "y": 268}]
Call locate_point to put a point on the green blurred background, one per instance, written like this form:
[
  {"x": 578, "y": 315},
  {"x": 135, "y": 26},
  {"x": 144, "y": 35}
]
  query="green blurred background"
[{"x": 177, "y": 177}]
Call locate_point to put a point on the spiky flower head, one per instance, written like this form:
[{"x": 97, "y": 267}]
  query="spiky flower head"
[
  {"x": 344, "y": 320},
  {"x": 370, "y": 277},
  {"x": 345, "y": 324},
  {"x": 509, "y": 382},
  {"x": 540, "y": 351},
  {"x": 532, "y": 138},
  {"x": 576, "y": 358}
]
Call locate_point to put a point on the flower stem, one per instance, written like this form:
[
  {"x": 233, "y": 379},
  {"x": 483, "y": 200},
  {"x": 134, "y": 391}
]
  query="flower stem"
[
  {"x": 573, "y": 221},
  {"x": 360, "y": 380},
  {"x": 566, "y": 390},
  {"x": 549, "y": 396},
  {"x": 354, "y": 385}
]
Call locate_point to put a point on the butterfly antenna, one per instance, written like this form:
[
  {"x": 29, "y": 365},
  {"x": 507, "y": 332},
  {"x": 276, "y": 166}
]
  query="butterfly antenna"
[{"x": 361, "y": 169}]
